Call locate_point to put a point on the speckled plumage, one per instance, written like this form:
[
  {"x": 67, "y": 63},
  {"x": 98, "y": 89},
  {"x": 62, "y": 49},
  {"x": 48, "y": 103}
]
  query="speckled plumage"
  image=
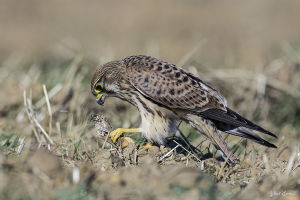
[
  {"x": 170, "y": 85},
  {"x": 166, "y": 94}
]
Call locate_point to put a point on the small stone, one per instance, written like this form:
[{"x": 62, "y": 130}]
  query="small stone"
[
  {"x": 153, "y": 150},
  {"x": 142, "y": 152},
  {"x": 176, "y": 158},
  {"x": 181, "y": 155},
  {"x": 146, "y": 160},
  {"x": 183, "y": 158},
  {"x": 125, "y": 141}
]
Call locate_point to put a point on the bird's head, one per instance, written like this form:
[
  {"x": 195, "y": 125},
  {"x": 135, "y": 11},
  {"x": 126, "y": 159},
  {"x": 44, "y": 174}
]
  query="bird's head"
[{"x": 106, "y": 80}]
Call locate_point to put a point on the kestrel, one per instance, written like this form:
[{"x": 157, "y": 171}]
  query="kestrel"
[{"x": 165, "y": 95}]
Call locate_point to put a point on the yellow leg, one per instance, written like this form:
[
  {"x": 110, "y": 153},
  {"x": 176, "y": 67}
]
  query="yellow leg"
[
  {"x": 146, "y": 146},
  {"x": 115, "y": 134}
]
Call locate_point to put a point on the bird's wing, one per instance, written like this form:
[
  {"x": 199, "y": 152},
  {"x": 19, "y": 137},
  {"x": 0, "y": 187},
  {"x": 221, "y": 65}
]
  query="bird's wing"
[
  {"x": 175, "y": 88},
  {"x": 171, "y": 86}
]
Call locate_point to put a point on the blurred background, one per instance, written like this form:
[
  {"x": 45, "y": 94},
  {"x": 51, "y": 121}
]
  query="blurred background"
[
  {"x": 249, "y": 50},
  {"x": 234, "y": 32}
]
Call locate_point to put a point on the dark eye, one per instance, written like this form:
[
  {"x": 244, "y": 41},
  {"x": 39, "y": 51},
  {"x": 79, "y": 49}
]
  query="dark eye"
[{"x": 98, "y": 87}]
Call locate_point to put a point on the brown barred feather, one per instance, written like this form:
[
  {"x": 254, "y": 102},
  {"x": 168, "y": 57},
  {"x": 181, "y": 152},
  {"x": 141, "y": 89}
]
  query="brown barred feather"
[{"x": 170, "y": 85}]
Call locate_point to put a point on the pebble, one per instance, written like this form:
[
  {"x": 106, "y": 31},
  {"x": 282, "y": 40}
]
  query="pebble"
[{"x": 153, "y": 150}]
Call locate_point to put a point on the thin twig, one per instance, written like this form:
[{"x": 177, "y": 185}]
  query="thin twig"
[
  {"x": 43, "y": 131},
  {"x": 30, "y": 118},
  {"x": 30, "y": 113},
  {"x": 187, "y": 159},
  {"x": 51, "y": 94},
  {"x": 59, "y": 131},
  {"x": 169, "y": 152},
  {"x": 187, "y": 151},
  {"x": 103, "y": 145},
  {"x": 290, "y": 164},
  {"x": 49, "y": 109},
  {"x": 21, "y": 146}
]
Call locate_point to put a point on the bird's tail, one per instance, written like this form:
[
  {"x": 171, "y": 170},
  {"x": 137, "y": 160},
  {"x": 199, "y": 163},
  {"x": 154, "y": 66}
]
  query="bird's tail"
[
  {"x": 207, "y": 128},
  {"x": 233, "y": 123},
  {"x": 243, "y": 132},
  {"x": 233, "y": 119}
]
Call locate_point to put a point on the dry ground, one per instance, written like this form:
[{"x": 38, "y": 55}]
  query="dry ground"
[
  {"x": 49, "y": 147},
  {"x": 54, "y": 151}
]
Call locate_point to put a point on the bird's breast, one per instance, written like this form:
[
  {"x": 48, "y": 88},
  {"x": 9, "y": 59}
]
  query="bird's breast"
[{"x": 158, "y": 122}]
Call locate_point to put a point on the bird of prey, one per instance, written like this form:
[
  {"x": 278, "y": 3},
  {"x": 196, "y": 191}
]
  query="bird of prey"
[{"x": 165, "y": 95}]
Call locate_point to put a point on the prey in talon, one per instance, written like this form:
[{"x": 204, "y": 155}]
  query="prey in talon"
[{"x": 101, "y": 124}]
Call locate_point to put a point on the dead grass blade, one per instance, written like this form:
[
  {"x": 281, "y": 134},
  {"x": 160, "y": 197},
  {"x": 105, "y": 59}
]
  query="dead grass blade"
[{"x": 34, "y": 121}]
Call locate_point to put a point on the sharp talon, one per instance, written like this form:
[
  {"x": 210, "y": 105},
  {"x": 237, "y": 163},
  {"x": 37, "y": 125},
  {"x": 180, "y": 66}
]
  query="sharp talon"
[
  {"x": 146, "y": 146},
  {"x": 115, "y": 134}
]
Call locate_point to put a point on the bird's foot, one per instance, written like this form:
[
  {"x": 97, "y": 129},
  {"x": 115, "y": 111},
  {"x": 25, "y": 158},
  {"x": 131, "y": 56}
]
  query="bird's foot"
[
  {"x": 146, "y": 146},
  {"x": 115, "y": 134}
]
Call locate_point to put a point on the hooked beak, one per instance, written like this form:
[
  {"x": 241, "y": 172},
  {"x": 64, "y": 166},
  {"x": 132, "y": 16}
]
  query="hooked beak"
[{"x": 100, "y": 98}]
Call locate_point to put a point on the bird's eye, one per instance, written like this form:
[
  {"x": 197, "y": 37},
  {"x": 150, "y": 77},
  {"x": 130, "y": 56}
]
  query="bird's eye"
[{"x": 98, "y": 88}]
